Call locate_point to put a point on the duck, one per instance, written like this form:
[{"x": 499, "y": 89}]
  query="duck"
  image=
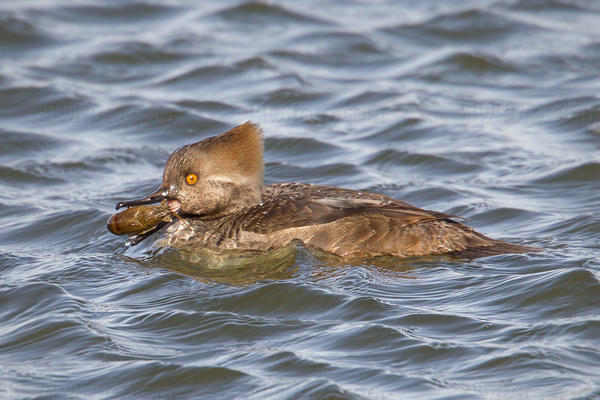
[{"x": 215, "y": 188}]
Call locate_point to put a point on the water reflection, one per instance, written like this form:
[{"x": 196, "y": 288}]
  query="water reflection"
[
  {"x": 227, "y": 266},
  {"x": 244, "y": 267}
]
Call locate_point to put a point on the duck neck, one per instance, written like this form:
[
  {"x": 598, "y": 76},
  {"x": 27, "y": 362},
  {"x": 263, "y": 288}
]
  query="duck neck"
[{"x": 238, "y": 199}]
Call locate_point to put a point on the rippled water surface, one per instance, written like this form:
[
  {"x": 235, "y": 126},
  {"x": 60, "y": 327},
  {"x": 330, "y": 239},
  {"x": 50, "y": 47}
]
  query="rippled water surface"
[{"x": 484, "y": 109}]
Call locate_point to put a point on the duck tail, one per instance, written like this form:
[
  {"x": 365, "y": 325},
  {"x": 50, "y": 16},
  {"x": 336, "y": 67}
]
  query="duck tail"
[{"x": 496, "y": 247}]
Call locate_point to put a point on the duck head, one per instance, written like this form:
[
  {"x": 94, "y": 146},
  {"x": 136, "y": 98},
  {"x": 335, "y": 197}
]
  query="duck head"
[{"x": 214, "y": 177}]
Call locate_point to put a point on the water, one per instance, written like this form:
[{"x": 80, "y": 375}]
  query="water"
[{"x": 485, "y": 109}]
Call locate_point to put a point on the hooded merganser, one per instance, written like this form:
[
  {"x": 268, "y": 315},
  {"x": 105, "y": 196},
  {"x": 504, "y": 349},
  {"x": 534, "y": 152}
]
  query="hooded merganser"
[{"x": 216, "y": 187}]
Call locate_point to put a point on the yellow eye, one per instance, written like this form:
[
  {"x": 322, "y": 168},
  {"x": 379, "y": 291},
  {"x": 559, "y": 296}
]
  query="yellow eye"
[{"x": 191, "y": 179}]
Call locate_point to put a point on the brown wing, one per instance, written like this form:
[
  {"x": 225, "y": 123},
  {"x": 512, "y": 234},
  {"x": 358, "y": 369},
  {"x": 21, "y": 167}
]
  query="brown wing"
[
  {"x": 295, "y": 205},
  {"x": 359, "y": 224}
]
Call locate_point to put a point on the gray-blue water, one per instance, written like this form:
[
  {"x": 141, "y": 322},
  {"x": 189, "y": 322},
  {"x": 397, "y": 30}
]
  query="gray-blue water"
[{"x": 485, "y": 109}]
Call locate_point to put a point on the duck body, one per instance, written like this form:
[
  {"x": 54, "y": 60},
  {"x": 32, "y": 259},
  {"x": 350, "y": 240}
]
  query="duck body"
[
  {"x": 347, "y": 223},
  {"x": 216, "y": 188}
]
